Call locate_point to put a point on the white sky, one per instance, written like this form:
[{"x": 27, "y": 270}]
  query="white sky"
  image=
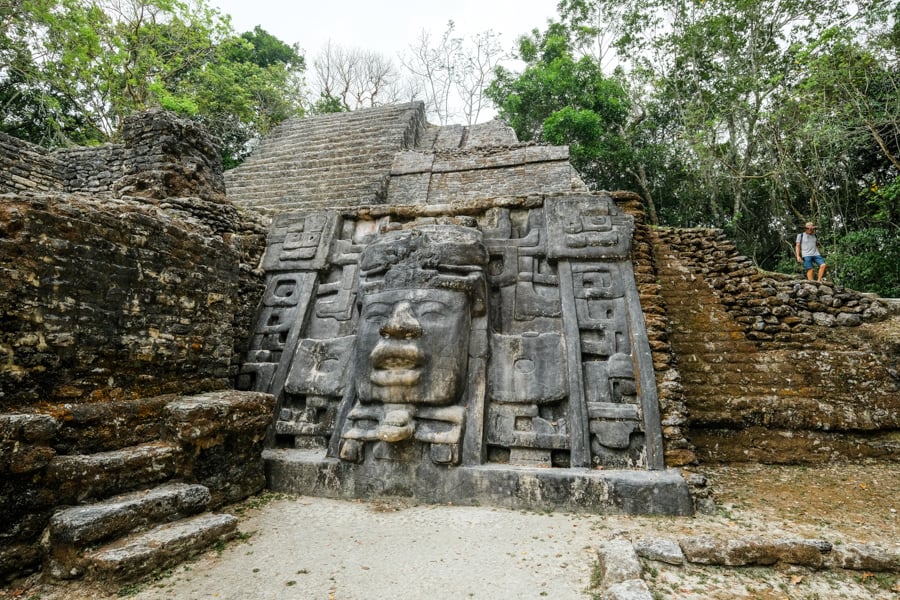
[{"x": 388, "y": 27}]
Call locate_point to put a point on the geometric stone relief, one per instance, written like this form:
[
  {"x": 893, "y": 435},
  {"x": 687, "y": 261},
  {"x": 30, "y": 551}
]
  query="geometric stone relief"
[{"x": 510, "y": 336}]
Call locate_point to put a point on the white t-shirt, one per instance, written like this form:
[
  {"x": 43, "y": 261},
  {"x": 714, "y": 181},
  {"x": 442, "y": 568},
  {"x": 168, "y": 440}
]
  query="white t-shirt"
[{"x": 807, "y": 243}]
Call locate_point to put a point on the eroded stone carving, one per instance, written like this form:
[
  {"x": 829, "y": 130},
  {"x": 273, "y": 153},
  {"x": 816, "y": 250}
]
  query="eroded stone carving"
[
  {"x": 511, "y": 337},
  {"x": 503, "y": 337},
  {"x": 419, "y": 289}
]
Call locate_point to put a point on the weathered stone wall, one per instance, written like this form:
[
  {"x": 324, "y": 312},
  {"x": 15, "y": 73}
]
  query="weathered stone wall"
[
  {"x": 26, "y": 167},
  {"x": 775, "y": 369},
  {"x": 69, "y": 454},
  {"x": 161, "y": 156},
  {"x": 120, "y": 298},
  {"x": 112, "y": 299},
  {"x": 109, "y": 300},
  {"x": 467, "y": 174},
  {"x": 92, "y": 170},
  {"x": 774, "y": 309},
  {"x": 673, "y": 411},
  {"x": 169, "y": 157}
]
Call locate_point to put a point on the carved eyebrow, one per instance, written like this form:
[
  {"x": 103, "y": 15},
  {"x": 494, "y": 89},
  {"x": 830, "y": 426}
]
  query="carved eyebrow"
[
  {"x": 420, "y": 307},
  {"x": 378, "y": 307},
  {"x": 431, "y": 306}
]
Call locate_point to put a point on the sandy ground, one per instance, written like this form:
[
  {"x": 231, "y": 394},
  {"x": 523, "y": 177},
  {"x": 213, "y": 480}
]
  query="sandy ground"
[{"x": 312, "y": 548}]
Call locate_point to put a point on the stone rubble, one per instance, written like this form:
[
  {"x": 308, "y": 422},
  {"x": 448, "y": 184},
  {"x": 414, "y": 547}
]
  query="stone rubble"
[{"x": 617, "y": 577}]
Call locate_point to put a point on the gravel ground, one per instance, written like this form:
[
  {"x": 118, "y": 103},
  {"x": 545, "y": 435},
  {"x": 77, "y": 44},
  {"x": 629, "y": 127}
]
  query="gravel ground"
[{"x": 312, "y": 548}]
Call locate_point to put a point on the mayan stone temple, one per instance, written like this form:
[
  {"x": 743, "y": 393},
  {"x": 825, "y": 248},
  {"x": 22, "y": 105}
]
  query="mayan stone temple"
[
  {"x": 451, "y": 315},
  {"x": 374, "y": 307}
]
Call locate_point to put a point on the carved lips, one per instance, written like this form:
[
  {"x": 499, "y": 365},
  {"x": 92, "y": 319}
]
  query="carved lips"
[{"x": 396, "y": 363}]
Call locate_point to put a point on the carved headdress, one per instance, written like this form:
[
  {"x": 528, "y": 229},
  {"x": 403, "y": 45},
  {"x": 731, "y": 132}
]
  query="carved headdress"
[{"x": 427, "y": 256}]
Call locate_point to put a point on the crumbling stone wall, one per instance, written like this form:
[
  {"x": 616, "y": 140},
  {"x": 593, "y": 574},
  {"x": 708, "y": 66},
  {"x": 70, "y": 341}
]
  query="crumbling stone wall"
[
  {"x": 105, "y": 296},
  {"x": 71, "y": 262},
  {"x": 70, "y": 454},
  {"x": 92, "y": 170},
  {"x": 775, "y": 369},
  {"x": 161, "y": 156},
  {"x": 26, "y": 167},
  {"x": 112, "y": 299},
  {"x": 116, "y": 302},
  {"x": 673, "y": 412},
  {"x": 774, "y": 309},
  {"x": 165, "y": 155}
]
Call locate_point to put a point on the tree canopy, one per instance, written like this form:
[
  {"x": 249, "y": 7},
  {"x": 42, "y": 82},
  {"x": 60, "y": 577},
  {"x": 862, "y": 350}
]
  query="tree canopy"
[
  {"x": 751, "y": 115},
  {"x": 72, "y": 70},
  {"x": 560, "y": 98}
]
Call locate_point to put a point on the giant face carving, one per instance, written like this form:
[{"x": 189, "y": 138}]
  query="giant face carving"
[
  {"x": 419, "y": 290},
  {"x": 412, "y": 346}
]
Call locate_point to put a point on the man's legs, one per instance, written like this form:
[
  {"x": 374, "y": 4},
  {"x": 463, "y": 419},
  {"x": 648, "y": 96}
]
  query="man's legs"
[{"x": 810, "y": 262}]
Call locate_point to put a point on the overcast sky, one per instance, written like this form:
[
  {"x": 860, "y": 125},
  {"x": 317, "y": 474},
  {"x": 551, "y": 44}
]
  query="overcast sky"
[{"x": 388, "y": 27}]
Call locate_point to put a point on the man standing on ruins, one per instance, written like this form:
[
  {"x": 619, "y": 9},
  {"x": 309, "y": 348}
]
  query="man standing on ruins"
[{"x": 807, "y": 252}]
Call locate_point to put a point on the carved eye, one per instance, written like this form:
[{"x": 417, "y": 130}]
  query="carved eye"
[
  {"x": 376, "y": 313},
  {"x": 328, "y": 365},
  {"x": 431, "y": 310},
  {"x": 284, "y": 289},
  {"x": 524, "y": 365}
]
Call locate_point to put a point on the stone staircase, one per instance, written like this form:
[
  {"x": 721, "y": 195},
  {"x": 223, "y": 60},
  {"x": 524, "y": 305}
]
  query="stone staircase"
[
  {"x": 342, "y": 159},
  {"x": 115, "y": 490},
  {"x": 797, "y": 402},
  {"x": 133, "y": 534}
]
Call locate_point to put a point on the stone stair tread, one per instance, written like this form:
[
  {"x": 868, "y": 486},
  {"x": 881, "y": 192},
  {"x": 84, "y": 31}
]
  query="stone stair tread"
[
  {"x": 346, "y": 167},
  {"x": 303, "y": 185},
  {"x": 161, "y": 547},
  {"x": 312, "y": 158},
  {"x": 102, "y": 474},
  {"x": 289, "y": 182},
  {"x": 298, "y": 148},
  {"x": 90, "y": 523}
]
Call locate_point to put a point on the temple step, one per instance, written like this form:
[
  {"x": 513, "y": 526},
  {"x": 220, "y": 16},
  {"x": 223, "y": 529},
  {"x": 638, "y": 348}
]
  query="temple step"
[
  {"x": 132, "y": 534},
  {"x": 159, "y": 548}
]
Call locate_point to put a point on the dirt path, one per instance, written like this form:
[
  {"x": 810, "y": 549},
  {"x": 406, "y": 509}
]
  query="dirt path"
[{"x": 311, "y": 548}]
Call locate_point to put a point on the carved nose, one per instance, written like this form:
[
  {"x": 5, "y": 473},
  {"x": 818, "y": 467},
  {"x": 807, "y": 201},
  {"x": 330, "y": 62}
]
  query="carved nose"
[{"x": 402, "y": 323}]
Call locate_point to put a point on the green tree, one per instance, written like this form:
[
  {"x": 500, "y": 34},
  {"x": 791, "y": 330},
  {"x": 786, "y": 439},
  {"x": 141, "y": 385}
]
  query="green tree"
[
  {"x": 252, "y": 83},
  {"x": 764, "y": 113},
  {"x": 72, "y": 70},
  {"x": 563, "y": 99}
]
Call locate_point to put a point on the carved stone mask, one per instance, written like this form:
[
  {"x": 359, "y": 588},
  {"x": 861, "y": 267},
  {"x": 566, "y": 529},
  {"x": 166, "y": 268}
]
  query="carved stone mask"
[
  {"x": 418, "y": 291},
  {"x": 412, "y": 346}
]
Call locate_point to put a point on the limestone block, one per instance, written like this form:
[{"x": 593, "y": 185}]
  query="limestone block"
[
  {"x": 865, "y": 557},
  {"x": 667, "y": 551},
  {"x": 617, "y": 561},
  {"x": 75, "y": 478},
  {"x": 25, "y": 442},
  {"x": 73, "y": 529},
  {"x": 632, "y": 589},
  {"x": 163, "y": 546}
]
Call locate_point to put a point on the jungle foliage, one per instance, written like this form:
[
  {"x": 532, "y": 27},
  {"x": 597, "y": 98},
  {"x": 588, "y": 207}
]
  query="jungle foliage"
[
  {"x": 749, "y": 115},
  {"x": 72, "y": 70}
]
